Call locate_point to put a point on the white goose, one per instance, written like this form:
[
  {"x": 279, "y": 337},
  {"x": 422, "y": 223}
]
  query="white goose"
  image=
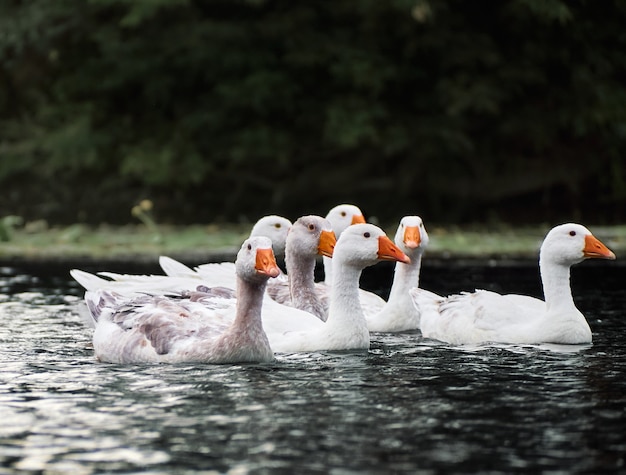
[
  {"x": 485, "y": 316},
  {"x": 274, "y": 227},
  {"x": 340, "y": 217},
  {"x": 399, "y": 313},
  {"x": 359, "y": 246},
  {"x": 207, "y": 327}
]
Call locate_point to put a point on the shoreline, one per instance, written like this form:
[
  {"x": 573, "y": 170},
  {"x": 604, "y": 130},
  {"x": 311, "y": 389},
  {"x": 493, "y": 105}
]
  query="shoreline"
[{"x": 120, "y": 249}]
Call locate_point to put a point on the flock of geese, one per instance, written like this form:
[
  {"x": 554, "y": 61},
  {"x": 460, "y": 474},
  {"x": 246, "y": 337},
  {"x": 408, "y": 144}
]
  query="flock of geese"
[{"x": 248, "y": 310}]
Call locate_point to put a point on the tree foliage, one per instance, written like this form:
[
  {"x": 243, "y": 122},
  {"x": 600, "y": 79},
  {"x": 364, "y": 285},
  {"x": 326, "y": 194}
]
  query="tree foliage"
[{"x": 455, "y": 110}]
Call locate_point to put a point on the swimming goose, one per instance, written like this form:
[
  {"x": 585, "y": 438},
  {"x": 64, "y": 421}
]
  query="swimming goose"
[
  {"x": 485, "y": 316},
  {"x": 399, "y": 313},
  {"x": 200, "y": 328},
  {"x": 359, "y": 246}
]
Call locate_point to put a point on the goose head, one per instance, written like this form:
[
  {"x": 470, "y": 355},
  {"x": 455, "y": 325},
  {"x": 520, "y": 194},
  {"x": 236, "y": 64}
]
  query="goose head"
[
  {"x": 411, "y": 235},
  {"x": 571, "y": 243},
  {"x": 310, "y": 236},
  {"x": 364, "y": 245},
  {"x": 255, "y": 260},
  {"x": 275, "y": 228},
  {"x": 344, "y": 215}
]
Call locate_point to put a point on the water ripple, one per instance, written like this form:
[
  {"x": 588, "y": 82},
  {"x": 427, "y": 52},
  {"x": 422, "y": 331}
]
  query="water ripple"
[{"x": 409, "y": 405}]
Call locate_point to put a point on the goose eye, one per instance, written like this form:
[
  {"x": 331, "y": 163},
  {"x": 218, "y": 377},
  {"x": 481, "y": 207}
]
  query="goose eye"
[
  {"x": 572, "y": 233},
  {"x": 311, "y": 227},
  {"x": 366, "y": 235},
  {"x": 249, "y": 247},
  {"x": 277, "y": 225},
  {"x": 343, "y": 213}
]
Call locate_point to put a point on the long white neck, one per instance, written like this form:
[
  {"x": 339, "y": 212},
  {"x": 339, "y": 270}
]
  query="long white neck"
[
  {"x": 345, "y": 306},
  {"x": 399, "y": 314},
  {"x": 564, "y": 323},
  {"x": 556, "y": 286},
  {"x": 405, "y": 277}
]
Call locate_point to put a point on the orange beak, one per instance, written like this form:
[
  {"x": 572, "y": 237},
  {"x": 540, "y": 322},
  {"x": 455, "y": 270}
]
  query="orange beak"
[
  {"x": 358, "y": 219},
  {"x": 327, "y": 243},
  {"x": 595, "y": 249},
  {"x": 412, "y": 237},
  {"x": 266, "y": 263},
  {"x": 388, "y": 251}
]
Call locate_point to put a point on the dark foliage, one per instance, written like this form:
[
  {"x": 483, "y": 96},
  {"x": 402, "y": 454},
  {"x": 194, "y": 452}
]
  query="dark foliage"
[{"x": 458, "y": 111}]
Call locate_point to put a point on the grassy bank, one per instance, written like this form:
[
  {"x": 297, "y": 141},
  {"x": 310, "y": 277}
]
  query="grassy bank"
[{"x": 207, "y": 243}]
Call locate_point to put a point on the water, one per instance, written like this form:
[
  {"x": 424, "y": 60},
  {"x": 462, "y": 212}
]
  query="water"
[{"x": 409, "y": 405}]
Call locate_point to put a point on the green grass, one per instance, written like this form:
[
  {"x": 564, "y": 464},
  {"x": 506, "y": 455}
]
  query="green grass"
[
  {"x": 199, "y": 242},
  {"x": 122, "y": 241}
]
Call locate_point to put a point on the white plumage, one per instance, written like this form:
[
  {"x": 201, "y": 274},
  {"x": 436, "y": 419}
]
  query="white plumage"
[{"x": 485, "y": 316}]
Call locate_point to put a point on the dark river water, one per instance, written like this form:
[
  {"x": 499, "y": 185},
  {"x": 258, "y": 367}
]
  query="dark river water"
[{"x": 409, "y": 405}]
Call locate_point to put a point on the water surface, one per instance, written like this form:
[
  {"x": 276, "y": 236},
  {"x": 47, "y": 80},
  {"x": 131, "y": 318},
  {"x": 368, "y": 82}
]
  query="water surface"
[{"x": 408, "y": 405}]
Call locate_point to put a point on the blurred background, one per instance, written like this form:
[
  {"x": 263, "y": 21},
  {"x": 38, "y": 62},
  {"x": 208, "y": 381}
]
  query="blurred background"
[{"x": 220, "y": 111}]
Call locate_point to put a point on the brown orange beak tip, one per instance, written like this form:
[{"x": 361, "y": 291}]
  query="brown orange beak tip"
[
  {"x": 405, "y": 259},
  {"x": 266, "y": 263},
  {"x": 327, "y": 243},
  {"x": 412, "y": 237}
]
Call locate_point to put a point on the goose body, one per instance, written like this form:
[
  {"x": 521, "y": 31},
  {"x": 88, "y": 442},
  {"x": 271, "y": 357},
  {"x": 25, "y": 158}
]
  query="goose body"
[
  {"x": 485, "y": 316},
  {"x": 209, "y": 325},
  {"x": 399, "y": 313}
]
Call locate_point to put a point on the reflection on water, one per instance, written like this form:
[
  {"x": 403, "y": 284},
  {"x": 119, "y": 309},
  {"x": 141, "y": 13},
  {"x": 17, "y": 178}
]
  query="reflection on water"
[{"x": 408, "y": 405}]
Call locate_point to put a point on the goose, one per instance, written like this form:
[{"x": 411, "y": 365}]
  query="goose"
[
  {"x": 485, "y": 316},
  {"x": 340, "y": 217},
  {"x": 274, "y": 227},
  {"x": 359, "y": 246},
  {"x": 205, "y": 327},
  {"x": 309, "y": 236},
  {"x": 399, "y": 313}
]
